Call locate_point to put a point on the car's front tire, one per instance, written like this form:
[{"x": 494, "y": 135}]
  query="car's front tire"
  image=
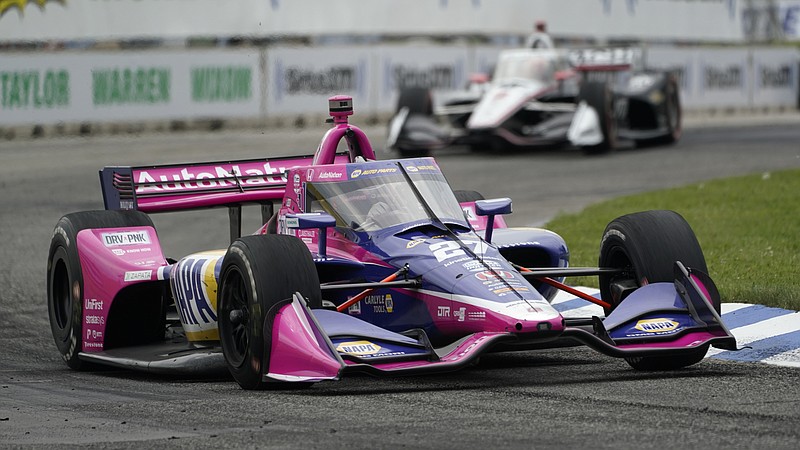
[
  {"x": 258, "y": 273},
  {"x": 598, "y": 95},
  {"x": 672, "y": 112},
  {"x": 647, "y": 244}
]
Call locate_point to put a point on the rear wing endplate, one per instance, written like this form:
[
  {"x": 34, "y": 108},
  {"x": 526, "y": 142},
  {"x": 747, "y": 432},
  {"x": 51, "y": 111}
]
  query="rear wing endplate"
[{"x": 179, "y": 187}]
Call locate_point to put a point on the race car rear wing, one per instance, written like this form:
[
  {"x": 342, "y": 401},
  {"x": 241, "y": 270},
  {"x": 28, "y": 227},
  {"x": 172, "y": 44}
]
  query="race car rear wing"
[
  {"x": 605, "y": 59},
  {"x": 178, "y": 187}
]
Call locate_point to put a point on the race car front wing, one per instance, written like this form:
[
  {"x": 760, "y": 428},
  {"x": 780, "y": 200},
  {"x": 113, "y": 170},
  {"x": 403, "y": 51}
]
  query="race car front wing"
[{"x": 660, "y": 319}]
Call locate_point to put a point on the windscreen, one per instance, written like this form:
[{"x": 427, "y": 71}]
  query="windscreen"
[{"x": 378, "y": 202}]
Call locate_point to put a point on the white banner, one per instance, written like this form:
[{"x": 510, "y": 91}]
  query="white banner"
[
  {"x": 775, "y": 77},
  {"x": 789, "y": 19},
  {"x": 79, "y": 20},
  {"x": 300, "y": 80},
  {"x": 723, "y": 78},
  {"x": 42, "y": 88},
  {"x": 441, "y": 68},
  {"x": 146, "y": 86}
]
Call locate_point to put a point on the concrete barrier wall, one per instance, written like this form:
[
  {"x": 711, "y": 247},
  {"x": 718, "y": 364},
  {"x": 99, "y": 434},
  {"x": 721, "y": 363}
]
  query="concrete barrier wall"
[{"x": 261, "y": 84}]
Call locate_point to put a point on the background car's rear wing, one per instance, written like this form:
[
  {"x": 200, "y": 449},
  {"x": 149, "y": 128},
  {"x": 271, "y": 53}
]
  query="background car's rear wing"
[
  {"x": 177, "y": 187},
  {"x": 605, "y": 59}
]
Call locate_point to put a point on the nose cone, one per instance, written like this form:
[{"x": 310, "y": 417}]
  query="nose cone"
[
  {"x": 529, "y": 317},
  {"x": 508, "y": 303},
  {"x": 500, "y": 103}
]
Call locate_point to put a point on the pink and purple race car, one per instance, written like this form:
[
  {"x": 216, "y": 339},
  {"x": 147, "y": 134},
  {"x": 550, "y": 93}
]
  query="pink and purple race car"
[{"x": 361, "y": 265}]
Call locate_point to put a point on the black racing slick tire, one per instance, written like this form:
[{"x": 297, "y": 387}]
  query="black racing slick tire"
[
  {"x": 258, "y": 274},
  {"x": 647, "y": 244},
  {"x": 599, "y": 96},
  {"x": 672, "y": 112},
  {"x": 668, "y": 112},
  {"x": 65, "y": 277},
  {"x": 463, "y": 196},
  {"x": 418, "y": 101}
]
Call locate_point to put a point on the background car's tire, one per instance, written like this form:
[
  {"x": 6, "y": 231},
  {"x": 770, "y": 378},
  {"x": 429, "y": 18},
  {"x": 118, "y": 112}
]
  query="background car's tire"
[
  {"x": 65, "y": 277},
  {"x": 672, "y": 111},
  {"x": 463, "y": 196},
  {"x": 647, "y": 244},
  {"x": 257, "y": 273},
  {"x": 598, "y": 95},
  {"x": 413, "y": 153},
  {"x": 418, "y": 101},
  {"x": 669, "y": 111}
]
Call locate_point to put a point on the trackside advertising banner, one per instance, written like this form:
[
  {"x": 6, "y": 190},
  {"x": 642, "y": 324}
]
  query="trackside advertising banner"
[
  {"x": 144, "y": 86},
  {"x": 48, "y": 88},
  {"x": 731, "y": 78},
  {"x": 789, "y": 19},
  {"x": 723, "y": 79},
  {"x": 301, "y": 79},
  {"x": 775, "y": 78},
  {"x": 435, "y": 68}
]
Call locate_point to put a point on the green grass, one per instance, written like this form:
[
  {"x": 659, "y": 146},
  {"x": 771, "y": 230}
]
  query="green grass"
[{"x": 748, "y": 227}]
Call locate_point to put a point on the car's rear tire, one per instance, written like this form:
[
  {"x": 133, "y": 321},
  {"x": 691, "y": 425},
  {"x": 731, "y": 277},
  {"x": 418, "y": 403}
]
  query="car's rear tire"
[
  {"x": 65, "y": 277},
  {"x": 672, "y": 111},
  {"x": 418, "y": 101},
  {"x": 464, "y": 196},
  {"x": 598, "y": 95},
  {"x": 258, "y": 273},
  {"x": 647, "y": 244}
]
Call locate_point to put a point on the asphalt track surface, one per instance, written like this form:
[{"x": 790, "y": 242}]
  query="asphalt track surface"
[{"x": 564, "y": 398}]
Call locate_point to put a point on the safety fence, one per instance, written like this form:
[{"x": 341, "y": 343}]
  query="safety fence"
[{"x": 262, "y": 84}]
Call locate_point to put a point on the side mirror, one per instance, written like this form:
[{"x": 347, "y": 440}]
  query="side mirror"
[
  {"x": 321, "y": 221},
  {"x": 492, "y": 208}
]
